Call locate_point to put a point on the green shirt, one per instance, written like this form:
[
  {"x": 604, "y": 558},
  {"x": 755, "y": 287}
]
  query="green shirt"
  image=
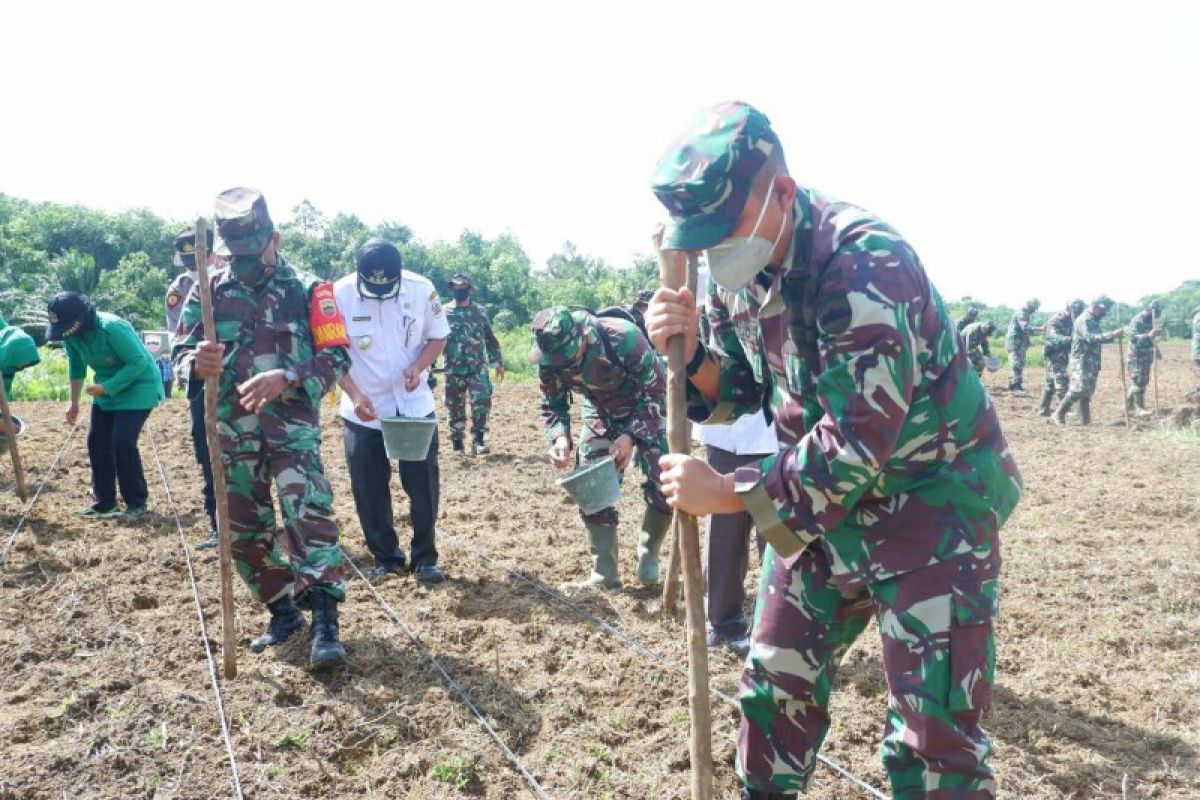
[
  {"x": 122, "y": 364},
  {"x": 17, "y": 351}
]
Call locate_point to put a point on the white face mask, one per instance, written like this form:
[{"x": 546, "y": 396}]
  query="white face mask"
[{"x": 736, "y": 261}]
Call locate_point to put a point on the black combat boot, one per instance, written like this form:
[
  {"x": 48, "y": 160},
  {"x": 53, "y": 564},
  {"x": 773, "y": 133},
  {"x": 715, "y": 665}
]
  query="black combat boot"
[
  {"x": 1047, "y": 399},
  {"x": 1060, "y": 416},
  {"x": 327, "y": 651},
  {"x": 1085, "y": 411},
  {"x": 479, "y": 446},
  {"x": 286, "y": 619},
  {"x": 456, "y": 445}
]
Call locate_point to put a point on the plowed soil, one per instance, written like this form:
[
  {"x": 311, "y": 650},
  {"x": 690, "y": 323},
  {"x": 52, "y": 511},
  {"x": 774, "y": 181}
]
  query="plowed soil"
[{"x": 105, "y": 692}]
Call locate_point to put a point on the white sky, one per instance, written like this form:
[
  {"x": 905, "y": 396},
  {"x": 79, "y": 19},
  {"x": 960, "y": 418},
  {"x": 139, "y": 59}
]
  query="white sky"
[{"x": 1041, "y": 148}]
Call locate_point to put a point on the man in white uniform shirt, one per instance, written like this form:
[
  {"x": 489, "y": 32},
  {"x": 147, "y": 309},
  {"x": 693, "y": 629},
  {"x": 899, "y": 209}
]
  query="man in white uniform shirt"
[
  {"x": 397, "y": 329},
  {"x": 746, "y": 441}
]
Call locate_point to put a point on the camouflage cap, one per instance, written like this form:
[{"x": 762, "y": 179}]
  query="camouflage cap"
[
  {"x": 1156, "y": 305},
  {"x": 243, "y": 222},
  {"x": 557, "y": 337},
  {"x": 1104, "y": 301},
  {"x": 185, "y": 247},
  {"x": 461, "y": 280},
  {"x": 1033, "y": 305},
  {"x": 706, "y": 176}
]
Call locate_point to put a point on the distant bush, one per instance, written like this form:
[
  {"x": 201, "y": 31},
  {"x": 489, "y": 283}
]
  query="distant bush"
[{"x": 45, "y": 381}]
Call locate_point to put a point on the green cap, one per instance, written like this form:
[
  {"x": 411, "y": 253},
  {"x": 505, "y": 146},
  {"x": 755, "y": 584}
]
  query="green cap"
[
  {"x": 557, "y": 337},
  {"x": 243, "y": 222},
  {"x": 705, "y": 177}
]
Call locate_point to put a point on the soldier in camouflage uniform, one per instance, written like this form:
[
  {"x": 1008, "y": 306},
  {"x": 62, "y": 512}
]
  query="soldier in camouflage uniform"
[
  {"x": 975, "y": 337},
  {"x": 1194, "y": 393},
  {"x": 893, "y": 476},
  {"x": 1016, "y": 344},
  {"x": 1143, "y": 333},
  {"x": 282, "y": 347},
  {"x": 1087, "y": 339},
  {"x": 1057, "y": 351},
  {"x": 177, "y": 293},
  {"x": 623, "y": 385},
  {"x": 470, "y": 350},
  {"x": 969, "y": 316}
]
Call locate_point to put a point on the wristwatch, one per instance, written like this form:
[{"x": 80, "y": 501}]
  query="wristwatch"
[{"x": 291, "y": 377}]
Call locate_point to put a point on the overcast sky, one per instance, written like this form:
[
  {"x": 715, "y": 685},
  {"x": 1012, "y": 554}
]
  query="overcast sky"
[{"x": 1040, "y": 148}]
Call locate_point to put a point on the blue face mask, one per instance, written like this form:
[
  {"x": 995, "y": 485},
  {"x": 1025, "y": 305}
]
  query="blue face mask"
[{"x": 735, "y": 262}]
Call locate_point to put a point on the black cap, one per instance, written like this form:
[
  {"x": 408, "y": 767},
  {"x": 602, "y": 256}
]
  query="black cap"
[
  {"x": 185, "y": 247},
  {"x": 70, "y": 313},
  {"x": 379, "y": 264}
]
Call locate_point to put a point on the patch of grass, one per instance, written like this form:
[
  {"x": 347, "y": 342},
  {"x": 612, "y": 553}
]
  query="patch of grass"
[
  {"x": 456, "y": 771},
  {"x": 680, "y": 718},
  {"x": 274, "y": 771},
  {"x": 46, "y": 380},
  {"x": 156, "y": 737},
  {"x": 69, "y": 703},
  {"x": 296, "y": 739},
  {"x": 1184, "y": 436}
]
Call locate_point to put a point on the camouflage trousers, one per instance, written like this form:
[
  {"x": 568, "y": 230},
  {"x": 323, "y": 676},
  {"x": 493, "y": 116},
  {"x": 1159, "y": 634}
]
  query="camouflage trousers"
[
  {"x": 977, "y": 359},
  {"x": 1057, "y": 376},
  {"x": 936, "y": 624},
  {"x": 1139, "y": 368},
  {"x": 1083, "y": 381},
  {"x": 305, "y": 554},
  {"x": 594, "y": 444},
  {"x": 479, "y": 387},
  {"x": 1016, "y": 361}
]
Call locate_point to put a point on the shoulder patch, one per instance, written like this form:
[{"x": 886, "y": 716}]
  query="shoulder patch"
[
  {"x": 833, "y": 313},
  {"x": 433, "y": 296},
  {"x": 173, "y": 299}
]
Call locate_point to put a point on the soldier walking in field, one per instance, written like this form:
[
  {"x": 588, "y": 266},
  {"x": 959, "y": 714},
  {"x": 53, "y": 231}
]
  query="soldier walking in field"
[
  {"x": 1016, "y": 344},
  {"x": 623, "y": 385},
  {"x": 1194, "y": 393},
  {"x": 282, "y": 346},
  {"x": 1143, "y": 350},
  {"x": 893, "y": 478},
  {"x": 1087, "y": 339},
  {"x": 177, "y": 294},
  {"x": 471, "y": 348},
  {"x": 975, "y": 336},
  {"x": 969, "y": 316},
  {"x": 1056, "y": 352}
]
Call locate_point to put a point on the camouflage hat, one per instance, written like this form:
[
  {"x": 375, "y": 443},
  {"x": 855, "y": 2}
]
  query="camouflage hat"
[
  {"x": 461, "y": 280},
  {"x": 1077, "y": 306},
  {"x": 1033, "y": 305},
  {"x": 557, "y": 337},
  {"x": 1104, "y": 301},
  {"x": 243, "y": 222},
  {"x": 185, "y": 247},
  {"x": 705, "y": 177},
  {"x": 1157, "y": 306}
]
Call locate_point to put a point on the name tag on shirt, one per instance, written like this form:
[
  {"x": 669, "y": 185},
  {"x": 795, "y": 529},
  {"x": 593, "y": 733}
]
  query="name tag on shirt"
[{"x": 367, "y": 318}]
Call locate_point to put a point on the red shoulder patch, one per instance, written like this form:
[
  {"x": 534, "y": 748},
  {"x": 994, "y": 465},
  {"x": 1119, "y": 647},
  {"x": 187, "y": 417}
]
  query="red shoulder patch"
[{"x": 325, "y": 320}]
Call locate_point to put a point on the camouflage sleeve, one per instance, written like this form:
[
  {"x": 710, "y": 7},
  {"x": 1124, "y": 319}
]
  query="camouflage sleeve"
[
  {"x": 647, "y": 423},
  {"x": 128, "y": 347},
  {"x": 188, "y": 333},
  {"x": 740, "y": 392},
  {"x": 556, "y": 404},
  {"x": 328, "y": 364},
  {"x": 1053, "y": 337},
  {"x": 1139, "y": 330},
  {"x": 864, "y": 389},
  {"x": 492, "y": 345}
]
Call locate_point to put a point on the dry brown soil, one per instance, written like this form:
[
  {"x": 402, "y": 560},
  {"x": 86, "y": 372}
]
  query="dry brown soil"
[{"x": 104, "y": 685}]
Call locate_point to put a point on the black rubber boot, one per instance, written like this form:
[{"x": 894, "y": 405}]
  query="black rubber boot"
[
  {"x": 1047, "y": 398},
  {"x": 456, "y": 445},
  {"x": 1060, "y": 416},
  {"x": 327, "y": 651},
  {"x": 286, "y": 619},
  {"x": 480, "y": 447},
  {"x": 757, "y": 794},
  {"x": 1085, "y": 411}
]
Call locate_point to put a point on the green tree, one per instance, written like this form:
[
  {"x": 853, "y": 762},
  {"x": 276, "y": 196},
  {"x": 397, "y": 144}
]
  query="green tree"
[{"x": 134, "y": 291}]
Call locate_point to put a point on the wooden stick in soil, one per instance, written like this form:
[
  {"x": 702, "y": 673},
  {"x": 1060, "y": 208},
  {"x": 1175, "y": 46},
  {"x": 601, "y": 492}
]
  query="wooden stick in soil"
[
  {"x": 10, "y": 433},
  {"x": 1124, "y": 387},
  {"x": 673, "y": 268},
  {"x": 212, "y": 388},
  {"x": 1154, "y": 362}
]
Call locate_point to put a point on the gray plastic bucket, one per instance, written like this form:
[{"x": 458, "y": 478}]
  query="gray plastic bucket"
[
  {"x": 408, "y": 438},
  {"x": 18, "y": 424},
  {"x": 594, "y": 487}
]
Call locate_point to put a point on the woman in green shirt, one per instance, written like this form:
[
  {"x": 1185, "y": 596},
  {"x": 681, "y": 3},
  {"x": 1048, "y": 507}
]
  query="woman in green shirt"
[{"x": 127, "y": 388}]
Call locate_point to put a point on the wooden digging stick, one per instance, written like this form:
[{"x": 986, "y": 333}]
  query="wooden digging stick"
[
  {"x": 1124, "y": 387},
  {"x": 10, "y": 431},
  {"x": 1154, "y": 361},
  {"x": 673, "y": 267},
  {"x": 212, "y": 388}
]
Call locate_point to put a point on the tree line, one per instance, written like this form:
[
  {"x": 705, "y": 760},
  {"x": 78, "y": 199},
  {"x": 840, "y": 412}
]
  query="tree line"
[{"x": 124, "y": 261}]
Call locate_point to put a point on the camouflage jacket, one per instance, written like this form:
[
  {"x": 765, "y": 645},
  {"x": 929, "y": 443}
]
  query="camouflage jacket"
[
  {"x": 1018, "y": 334},
  {"x": 263, "y": 329},
  {"x": 976, "y": 338},
  {"x": 1058, "y": 333},
  {"x": 1086, "y": 343},
  {"x": 891, "y": 457},
  {"x": 471, "y": 343},
  {"x": 627, "y": 390},
  {"x": 1196, "y": 336},
  {"x": 1140, "y": 343}
]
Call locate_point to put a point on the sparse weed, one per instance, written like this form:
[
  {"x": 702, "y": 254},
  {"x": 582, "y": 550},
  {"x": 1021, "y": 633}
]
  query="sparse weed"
[
  {"x": 457, "y": 772},
  {"x": 295, "y": 739}
]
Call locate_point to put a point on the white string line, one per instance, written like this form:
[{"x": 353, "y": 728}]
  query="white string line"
[
  {"x": 641, "y": 648},
  {"x": 41, "y": 485},
  {"x": 462, "y": 694},
  {"x": 212, "y": 665}
]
